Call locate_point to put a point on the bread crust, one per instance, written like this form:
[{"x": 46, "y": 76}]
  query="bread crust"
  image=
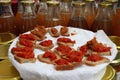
[
  {"x": 23, "y": 60},
  {"x": 44, "y": 48},
  {"x": 67, "y": 44},
  {"x": 92, "y": 63},
  {"x": 46, "y": 60},
  {"x": 64, "y": 67},
  {"x": 20, "y": 45}
]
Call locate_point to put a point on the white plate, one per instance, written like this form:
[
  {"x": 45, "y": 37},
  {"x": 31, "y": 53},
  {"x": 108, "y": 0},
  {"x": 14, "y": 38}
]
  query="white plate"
[{"x": 43, "y": 71}]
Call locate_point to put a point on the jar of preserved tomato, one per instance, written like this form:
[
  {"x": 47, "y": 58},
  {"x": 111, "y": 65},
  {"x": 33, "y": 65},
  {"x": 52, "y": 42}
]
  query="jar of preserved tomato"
[
  {"x": 53, "y": 17},
  {"x": 78, "y": 19},
  {"x": 29, "y": 18},
  {"x": 7, "y": 21},
  {"x": 103, "y": 20}
]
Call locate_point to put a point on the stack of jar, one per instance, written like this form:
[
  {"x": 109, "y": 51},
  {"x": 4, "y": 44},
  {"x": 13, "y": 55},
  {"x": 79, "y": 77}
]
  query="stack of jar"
[{"x": 49, "y": 13}]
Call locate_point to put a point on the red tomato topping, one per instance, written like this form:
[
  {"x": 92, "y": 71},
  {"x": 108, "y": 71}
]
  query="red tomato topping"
[
  {"x": 101, "y": 48},
  {"x": 26, "y": 55},
  {"x": 61, "y": 62},
  {"x": 75, "y": 56},
  {"x": 23, "y": 49},
  {"x": 84, "y": 49},
  {"x": 64, "y": 49},
  {"x": 46, "y": 43},
  {"x": 26, "y": 42},
  {"x": 27, "y": 36},
  {"x": 50, "y": 55},
  {"x": 94, "y": 57},
  {"x": 65, "y": 40}
]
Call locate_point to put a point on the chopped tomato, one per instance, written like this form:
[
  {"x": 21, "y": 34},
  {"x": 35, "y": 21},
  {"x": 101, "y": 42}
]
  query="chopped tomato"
[
  {"x": 101, "y": 48},
  {"x": 26, "y": 55},
  {"x": 61, "y": 62},
  {"x": 75, "y": 56},
  {"x": 26, "y": 42},
  {"x": 94, "y": 57},
  {"x": 65, "y": 40},
  {"x": 50, "y": 55},
  {"x": 64, "y": 49},
  {"x": 46, "y": 43},
  {"x": 84, "y": 49},
  {"x": 27, "y": 36},
  {"x": 23, "y": 49}
]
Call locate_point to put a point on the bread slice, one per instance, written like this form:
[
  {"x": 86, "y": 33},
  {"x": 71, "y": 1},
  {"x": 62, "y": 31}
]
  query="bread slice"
[
  {"x": 107, "y": 53},
  {"x": 23, "y": 60},
  {"x": 62, "y": 52},
  {"x": 65, "y": 41},
  {"x": 47, "y": 60},
  {"x": 38, "y": 35},
  {"x": 16, "y": 50},
  {"x": 94, "y": 63},
  {"x": 28, "y": 37},
  {"x": 20, "y": 45},
  {"x": 53, "y": 32},
  {"x": 47, "y": 46},
  {"x": 67, "y": 66},
  {"x": 64, "y": 31}
]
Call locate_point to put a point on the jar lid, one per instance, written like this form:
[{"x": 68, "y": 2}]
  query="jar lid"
[
  {"x": 53, "y": 3},
  {"x": 27, "y": 1},
  {"x": 78, "y": 3},
  {"x": 112, "y": 1},
  {"x": 105, "y": 4},
  {"x": 90, "y": 0},
  {"x": 5, "y": 1},
  {"x": 66, "y": 0}
]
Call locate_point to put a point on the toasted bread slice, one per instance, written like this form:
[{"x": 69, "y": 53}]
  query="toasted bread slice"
[
  {"x": 38, "y": 35},
  {"x": 47, "y": 59},
  {"x": 23, "y": 60},
  {"x": 66, "y": 66},
  {"x": 107, "y": 53},
  {"x": 53, "y": 32},
  {"x": 64, "y": 50},
  {"x": 16, "y": 50},
  {"x": 64, "y": 31},
  {"x": 28, "y": 37},
  {"x": 20, "y": 45},
  {"x": 94, "y": 63},
  {"x": 65, "y": 41},
  {"x": 45, "y": 45}
]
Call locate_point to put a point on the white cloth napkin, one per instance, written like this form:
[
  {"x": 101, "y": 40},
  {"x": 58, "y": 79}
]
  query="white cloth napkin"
[{"x": 43, "y": 71}]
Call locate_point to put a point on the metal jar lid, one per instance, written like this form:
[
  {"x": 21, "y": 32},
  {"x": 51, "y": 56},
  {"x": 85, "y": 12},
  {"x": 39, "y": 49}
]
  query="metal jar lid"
[
  {"x": 89, "y": 0},
  {"x": 78, "y": 3},
  {"x": 105, "y": 4},
  {"x": 27, "y": 2},
  {"x": 112, "y": 1},
  {"x": 53, "y": 3},
  {"x": 5, "y": 1}
]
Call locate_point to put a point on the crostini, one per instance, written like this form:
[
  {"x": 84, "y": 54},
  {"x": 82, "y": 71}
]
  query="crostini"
[
  {"x": 95, "y": 59},
  {"x": 53, "y": 32},
  {"x": 25, "y": 57},
  {"x": 64, "y": 31},
  {"x": 48, "y": 57},
  {"x": 65, "y": 41},
  {"x": 45, "y": 45}
]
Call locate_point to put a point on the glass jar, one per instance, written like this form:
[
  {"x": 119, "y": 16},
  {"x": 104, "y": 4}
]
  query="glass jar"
[
  {"x": 19, "y": 16},
  {"x": 53, "y": 17},
  {"x": 103, "y": 18},
  {"x": 7, "y": 19},
  {"x": 42, "y": 12},
  {"x": 78, "y": 19},
  {"x": 29, "y": 18},
  {"x": 65, "y": 11},
  {"x": 116, "y": 24},
  {"x": 90, "y": 12}
]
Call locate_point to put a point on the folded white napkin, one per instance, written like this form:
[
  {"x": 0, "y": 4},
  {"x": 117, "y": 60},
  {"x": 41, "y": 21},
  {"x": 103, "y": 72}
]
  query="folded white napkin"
[{"x": 43, "y": 71}]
